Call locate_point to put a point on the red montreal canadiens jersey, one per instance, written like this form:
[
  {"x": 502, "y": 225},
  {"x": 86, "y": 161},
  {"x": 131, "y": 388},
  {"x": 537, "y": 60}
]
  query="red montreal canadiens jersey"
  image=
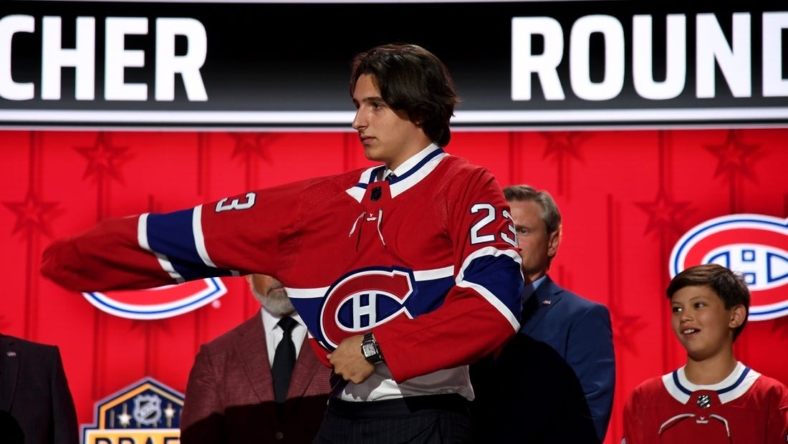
[
  {"x": 428, "y": 259},
  {"x": 745, "y": 408}
]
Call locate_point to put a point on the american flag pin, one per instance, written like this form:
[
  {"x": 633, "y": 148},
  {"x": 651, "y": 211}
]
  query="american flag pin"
[
  {"x": 546, "y": 302},
  {"x": 11, "y": 354}
]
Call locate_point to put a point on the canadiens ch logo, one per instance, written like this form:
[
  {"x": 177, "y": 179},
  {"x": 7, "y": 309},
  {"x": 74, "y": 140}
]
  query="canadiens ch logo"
[
  {"x": 362, "y": 300},
  {"x": 753, "y": 245},
  {"x": 147, "y": 412},
  {"x": 160, "y": 302}
]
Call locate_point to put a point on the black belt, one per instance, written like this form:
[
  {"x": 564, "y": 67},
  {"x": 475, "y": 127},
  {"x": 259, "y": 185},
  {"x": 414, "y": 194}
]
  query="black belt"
[{"x": 396, "y": 407}]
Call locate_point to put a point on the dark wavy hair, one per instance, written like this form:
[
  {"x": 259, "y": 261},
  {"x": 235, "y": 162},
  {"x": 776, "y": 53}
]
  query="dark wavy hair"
[{"x": 413, "y": 80}]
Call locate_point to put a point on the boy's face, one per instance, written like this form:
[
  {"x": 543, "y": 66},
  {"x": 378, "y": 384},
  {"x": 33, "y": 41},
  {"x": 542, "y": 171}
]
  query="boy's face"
[
  {"x": 702, "y": 323},
  {"x": 388, "y": 136}
]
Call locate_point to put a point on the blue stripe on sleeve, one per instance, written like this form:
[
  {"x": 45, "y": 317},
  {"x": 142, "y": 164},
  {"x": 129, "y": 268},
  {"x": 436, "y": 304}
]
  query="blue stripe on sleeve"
[
  {"x": 171, "y": 235},
  {"x": 501, "y": 276}
]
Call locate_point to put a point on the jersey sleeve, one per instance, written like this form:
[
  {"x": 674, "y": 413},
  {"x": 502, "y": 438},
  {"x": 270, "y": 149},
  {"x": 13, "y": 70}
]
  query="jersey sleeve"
[
  {"x": 634, "y": 419},
  {"x": 482, "y": 310},
  {"x": 233, "y": 236},
  {"x": 777, "y": 423}
]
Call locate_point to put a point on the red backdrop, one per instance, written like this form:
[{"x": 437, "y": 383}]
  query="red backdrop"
[{"x": 626, "y": 198}]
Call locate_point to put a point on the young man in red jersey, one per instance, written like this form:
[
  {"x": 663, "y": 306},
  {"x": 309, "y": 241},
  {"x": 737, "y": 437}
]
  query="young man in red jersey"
[{"x": 423, "y": 273}]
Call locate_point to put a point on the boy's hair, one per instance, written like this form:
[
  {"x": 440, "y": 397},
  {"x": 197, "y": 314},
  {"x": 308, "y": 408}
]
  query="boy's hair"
[
  {"x": 413, "y": 80},
  {"x": 726, "y": 284}
]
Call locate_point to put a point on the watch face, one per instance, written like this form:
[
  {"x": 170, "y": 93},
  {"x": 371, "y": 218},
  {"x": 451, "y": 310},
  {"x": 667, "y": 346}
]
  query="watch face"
[{"x": 369, "y": 349}]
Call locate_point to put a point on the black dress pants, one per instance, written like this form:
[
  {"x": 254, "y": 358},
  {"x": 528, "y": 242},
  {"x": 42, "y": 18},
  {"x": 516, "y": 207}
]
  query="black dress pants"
[{"x": 430, "y": 419}]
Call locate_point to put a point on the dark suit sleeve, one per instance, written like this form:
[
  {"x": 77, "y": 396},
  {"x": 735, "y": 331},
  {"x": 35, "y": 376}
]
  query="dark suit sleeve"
[
  {"x": 203, "y": 417},
  {"x": 590, "y": 353},
  {"x": 64, "y": 414}
]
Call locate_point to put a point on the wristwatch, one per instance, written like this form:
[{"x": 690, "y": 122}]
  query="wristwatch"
[{"x": 370, "y": 349}]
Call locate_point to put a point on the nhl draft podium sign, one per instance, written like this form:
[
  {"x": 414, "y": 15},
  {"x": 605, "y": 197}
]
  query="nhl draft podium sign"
[{"x": 146, "y": 412}]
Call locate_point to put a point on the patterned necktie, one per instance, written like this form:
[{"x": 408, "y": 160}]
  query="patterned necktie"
[{"x": 284, "y": 360}]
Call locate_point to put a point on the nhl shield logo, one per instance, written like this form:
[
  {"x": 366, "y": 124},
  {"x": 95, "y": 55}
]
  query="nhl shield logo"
[
  {"x": 147, "y": 409},
  {"x": 704, "y": 401},
  {"x": 160, "y": 302},
  {"x": 753, "y": 245}
]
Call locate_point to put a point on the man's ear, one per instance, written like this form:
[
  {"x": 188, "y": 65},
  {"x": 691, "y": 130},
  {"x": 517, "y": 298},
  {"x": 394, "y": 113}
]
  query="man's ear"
[
  {"x": 738, "y": 315},
  {"x": 553, "y": 241}
]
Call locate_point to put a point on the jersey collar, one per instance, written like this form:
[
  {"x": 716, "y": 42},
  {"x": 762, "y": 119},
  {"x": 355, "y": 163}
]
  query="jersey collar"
[
  {"x": 730, "y": 388},
  {"x": 410, "y": 173}
]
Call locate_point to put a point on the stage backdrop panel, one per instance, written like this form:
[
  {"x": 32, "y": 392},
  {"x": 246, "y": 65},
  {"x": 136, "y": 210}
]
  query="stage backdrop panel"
[{"x": 627, "y": 197}]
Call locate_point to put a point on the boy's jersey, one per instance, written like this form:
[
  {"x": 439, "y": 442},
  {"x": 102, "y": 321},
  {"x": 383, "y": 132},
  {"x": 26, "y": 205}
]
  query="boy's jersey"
[
  {"x": 428, "y": 259},
  {"x": 745, "y": 408}
]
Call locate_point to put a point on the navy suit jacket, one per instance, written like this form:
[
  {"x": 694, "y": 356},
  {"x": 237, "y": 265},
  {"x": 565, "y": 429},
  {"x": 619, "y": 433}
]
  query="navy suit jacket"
[
  {"x": 36, "y": 406},
  {"x": 554, "y": 381}
]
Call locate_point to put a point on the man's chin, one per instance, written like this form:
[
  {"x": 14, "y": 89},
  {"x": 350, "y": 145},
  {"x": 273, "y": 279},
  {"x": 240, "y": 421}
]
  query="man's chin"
[
  {"x": 371, "y": 153},
  {"x": 276, "y": 292},
  {"x": 277, "y": 303}
]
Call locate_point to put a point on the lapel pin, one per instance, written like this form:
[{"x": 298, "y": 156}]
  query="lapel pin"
[
  {"x": 11, "y": 354},
  {"x": 546, "y": 302}
]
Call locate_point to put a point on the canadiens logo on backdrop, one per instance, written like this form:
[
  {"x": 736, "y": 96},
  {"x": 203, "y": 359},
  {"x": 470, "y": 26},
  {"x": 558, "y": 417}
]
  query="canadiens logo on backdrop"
[
  {"x": 364, "y": 299},
  {"x": 753, "y": 245},
  {"x": 147, "y": 412},
  {"x": 160, "y": 302}
]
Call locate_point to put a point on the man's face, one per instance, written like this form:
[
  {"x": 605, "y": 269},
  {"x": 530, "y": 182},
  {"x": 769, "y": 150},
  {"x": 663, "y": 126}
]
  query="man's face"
[
  {"x": 388, "y": 136},
  {"x": 271, "y": 294},
  {"x": 536, "y": 246}
]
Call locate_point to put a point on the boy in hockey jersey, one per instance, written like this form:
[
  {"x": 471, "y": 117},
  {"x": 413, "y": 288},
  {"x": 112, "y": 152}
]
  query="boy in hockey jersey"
[
  {"x": 713, "y": 398},
  {"x": 423, "y": 276}
]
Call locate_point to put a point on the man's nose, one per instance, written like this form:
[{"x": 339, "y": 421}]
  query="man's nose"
[{"x": 358, "y": 121}]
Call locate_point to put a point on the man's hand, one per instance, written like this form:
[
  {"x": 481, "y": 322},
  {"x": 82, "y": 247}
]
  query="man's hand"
[{"x": 349, "y": 362}]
